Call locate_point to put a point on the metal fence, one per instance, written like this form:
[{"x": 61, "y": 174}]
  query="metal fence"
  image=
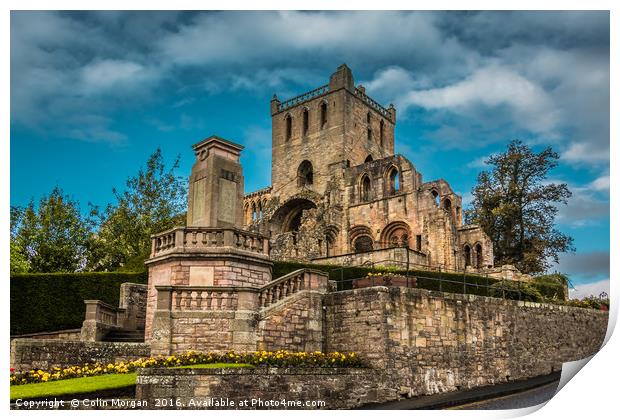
[{"x": 491, "y": 287}]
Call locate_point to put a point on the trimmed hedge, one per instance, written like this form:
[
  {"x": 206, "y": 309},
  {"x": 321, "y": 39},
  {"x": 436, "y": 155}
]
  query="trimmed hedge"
[
  {"x": 543, "y": 289},
  {"x": 55, "y": 301}
]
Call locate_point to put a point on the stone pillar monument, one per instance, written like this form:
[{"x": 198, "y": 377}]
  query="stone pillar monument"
[
  {"x": 205, "y": 278},
  {"x": 216, "y": 185}
]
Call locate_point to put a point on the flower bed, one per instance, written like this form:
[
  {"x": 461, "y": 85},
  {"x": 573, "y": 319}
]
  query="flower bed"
[{"x": 281, "y": 358}]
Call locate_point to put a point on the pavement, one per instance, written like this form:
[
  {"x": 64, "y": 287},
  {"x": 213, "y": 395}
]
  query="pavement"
[{"x": 514, "y": 394}]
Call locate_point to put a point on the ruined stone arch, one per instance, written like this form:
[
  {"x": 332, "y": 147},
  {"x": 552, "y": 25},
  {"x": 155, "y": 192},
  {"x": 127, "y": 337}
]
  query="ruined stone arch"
[
  {"x": 287, "y": 217},
  {"x": 365, "y": 187},
  {"x": 392, "y": 180},
  {"x": 331, "y": 236},
  {"x": 435, "y": 195},
  {"x": 396, "y": 234},
  {"x": 305, "y": 174},
  {"x": 479, "y": 257},
  {"x": 361, "y": 238},
  {"x": 467, "y": 255}
]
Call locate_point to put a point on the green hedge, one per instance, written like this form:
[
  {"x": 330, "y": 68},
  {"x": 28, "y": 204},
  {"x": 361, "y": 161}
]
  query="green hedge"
[
  {"x": 541, "y": 289},
  {"x": 51, "y": 302}
]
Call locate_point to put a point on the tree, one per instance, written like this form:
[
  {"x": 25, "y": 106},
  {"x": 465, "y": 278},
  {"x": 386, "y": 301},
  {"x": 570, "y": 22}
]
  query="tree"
[
  {"x": 19, "y": 258},
  {"x": 516, "y": 207},
  {"x": 51, "y": 237},
  {"x": 153, "y": 201}
]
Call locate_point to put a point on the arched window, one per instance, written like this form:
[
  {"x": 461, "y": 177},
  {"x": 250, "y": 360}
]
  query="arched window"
[
  {"x": 305, "y": 175},
  {"x": 447, "y": 204},
  {"x": 478, "y": 256},
  {"x": 368, "y": 159},
  {"x": 368, "y": 118},
  {"x": 369, "y": 128},
  {"x": 467, "y": 255},
  {"x": 362, "y": 243},
  {"x": 435, "y": 197},
  {"x": 305, "y": 125},
  {"x": 365, "y": 188},
  {"x": 393, "y": 181},
  {"x": 381, "y": 133},
  {"x": 289, "y": 127},
  {"x": 323, "y": 114},
  {"x": 254, "y": 212}
]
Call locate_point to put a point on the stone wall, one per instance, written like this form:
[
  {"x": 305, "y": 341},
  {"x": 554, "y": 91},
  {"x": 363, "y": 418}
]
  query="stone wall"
[
  {"x": 72, "y": 334},
  {"x": 29, "y": 354},
  {"x": 295, "y": 324},
  {"x": 435, "y": 342},
  {"x": 337, "y": 388},
  {"x": 382, "y": 257}
]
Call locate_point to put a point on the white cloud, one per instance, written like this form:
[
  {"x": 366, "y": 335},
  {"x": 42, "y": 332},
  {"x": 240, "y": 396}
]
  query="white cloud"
[
  {"x": 585, "y": 153},
  {"x": 589, "y": 289},
  {"x": 112, "y": 74},
  {"x": 492, "y": 86},
  {"x": 601, "y": 183}
]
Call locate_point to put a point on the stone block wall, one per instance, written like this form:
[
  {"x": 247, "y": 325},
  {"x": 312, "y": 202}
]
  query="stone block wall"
[
  {"x": 193, "y": 388},
  {"x": 29, "y": 354},
  {"x": 435, "y": 342},
  {"x": 227, "y": 270},
  {"x": 295, "y": 324}
]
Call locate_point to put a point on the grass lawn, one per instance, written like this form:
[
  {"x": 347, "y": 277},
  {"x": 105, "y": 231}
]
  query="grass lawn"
[
  {"x": 95, "y": 383},
  {"x": 73, "y": 386},
  {"x": 214, "y": 366}
]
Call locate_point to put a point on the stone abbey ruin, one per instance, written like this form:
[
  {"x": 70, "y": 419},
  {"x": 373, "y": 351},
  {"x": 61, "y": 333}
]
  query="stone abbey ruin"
[{"x": 339, "y": 196}]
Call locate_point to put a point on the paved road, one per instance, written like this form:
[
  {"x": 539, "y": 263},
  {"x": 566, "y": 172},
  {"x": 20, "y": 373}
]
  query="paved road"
[{"x": 522, "y": 399}]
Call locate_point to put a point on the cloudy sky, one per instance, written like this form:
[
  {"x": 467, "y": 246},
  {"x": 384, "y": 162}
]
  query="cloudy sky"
[{"x": 94, "y": 93}]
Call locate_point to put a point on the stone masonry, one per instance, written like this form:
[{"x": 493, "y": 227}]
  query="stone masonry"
[{"x": 338, "y": 188}]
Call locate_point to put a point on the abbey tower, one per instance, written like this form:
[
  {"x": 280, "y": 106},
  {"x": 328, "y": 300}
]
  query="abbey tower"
[{"x": 340, "y": 195}]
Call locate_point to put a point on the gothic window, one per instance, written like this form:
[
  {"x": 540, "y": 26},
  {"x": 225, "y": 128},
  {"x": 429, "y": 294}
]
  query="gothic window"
[
  {"x": 254, "y": 212},
  {"x": 435, "y": 197},
  {"x": 365, "y": 187},
  {"x": 381, "y": 133},
  {"x": 305, "y": 123},
  {"x": 323, "y": 114},
  {"x": 467, "y": 255},
  {"x": 478, "y": 256},
  {"x": 305, "y": 175},
  {"x": 368, "y": 118},
  {"x": 393, "y": 181},
  {"x": 362, "y": 243},
  {"x": 289, "y": 127},
  {"x": 447, "y": 205},
  {"x": 418, "y": 242}
]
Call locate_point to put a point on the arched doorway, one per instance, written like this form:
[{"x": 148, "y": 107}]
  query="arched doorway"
[{"x": 289, "y": 216}]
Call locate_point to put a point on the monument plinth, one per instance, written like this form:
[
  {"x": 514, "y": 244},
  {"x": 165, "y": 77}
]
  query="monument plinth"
[{"x": 212, "y": 265}]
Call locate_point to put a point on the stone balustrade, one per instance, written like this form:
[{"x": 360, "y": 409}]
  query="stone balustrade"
[
  {"x": 282, "y": 287},
  {"x": 202, "y": 239}
]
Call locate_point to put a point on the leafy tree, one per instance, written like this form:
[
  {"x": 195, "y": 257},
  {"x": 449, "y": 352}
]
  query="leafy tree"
[
  {"x": 153, "y": 201},
  {"x": 516, "y": 207},
  {"x": 19, "y": 258},
  {"x": 50, "y": 238}
]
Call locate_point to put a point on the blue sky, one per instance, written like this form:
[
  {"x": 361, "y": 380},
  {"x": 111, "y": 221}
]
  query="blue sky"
[{"x": 93, "y": 94}]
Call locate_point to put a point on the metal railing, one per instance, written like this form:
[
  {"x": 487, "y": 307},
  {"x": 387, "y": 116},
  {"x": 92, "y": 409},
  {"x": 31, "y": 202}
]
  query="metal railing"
[{"x": 492, "y": 287}]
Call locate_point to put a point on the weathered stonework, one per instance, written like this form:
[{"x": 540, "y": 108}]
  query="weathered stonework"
[
  {"x": 338, "y": 189},
  {"x": 437, "y": 342},
  {"x": 335, "y": 388},
  {"x": 29, "y": 354}
]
